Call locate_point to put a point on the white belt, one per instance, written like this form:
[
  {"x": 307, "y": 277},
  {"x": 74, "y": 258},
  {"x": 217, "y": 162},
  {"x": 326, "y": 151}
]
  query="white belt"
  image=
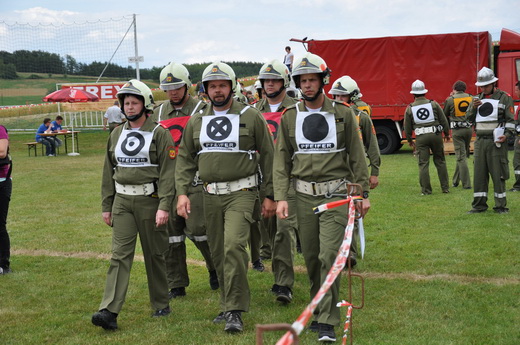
[
  {"x": 486, "y": 126},
  {"x": 220, "y": 188},
  {"x": 317, "y": 188},
  {"x": 424, "y": 130},
  {"x": 459, "y": 124},
  {"x": 135, "y": 189}
]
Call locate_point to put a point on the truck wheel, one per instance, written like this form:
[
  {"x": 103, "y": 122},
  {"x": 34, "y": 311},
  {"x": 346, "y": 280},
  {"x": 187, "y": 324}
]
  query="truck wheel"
[{"x": 388, "y": 140}]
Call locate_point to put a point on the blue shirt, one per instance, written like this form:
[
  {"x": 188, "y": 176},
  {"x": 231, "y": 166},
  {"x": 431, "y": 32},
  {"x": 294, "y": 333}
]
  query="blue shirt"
[
  {"x": 55, "y": 127},
  {"x": 41, "y": 129}
]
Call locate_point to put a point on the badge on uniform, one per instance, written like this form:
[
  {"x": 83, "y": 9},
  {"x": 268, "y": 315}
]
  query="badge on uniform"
[{"x": 172, "y": 152}]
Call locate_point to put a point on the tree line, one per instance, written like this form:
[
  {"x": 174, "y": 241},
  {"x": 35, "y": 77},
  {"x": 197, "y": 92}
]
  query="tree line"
[{"x": 37, "y": 61}]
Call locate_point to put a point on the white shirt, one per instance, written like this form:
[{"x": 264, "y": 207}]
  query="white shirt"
[
  {"x": 114, "y": 114},
  {"x": 288, "y": 60}
]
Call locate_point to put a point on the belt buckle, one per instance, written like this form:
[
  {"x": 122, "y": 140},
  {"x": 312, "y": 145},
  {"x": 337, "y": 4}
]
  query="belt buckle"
[
  {"x": 313, "y": 187},
  {"x": 219, "y": 190}
]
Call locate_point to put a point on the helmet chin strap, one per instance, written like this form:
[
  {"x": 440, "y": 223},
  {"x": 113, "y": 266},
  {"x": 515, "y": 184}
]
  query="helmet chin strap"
[
  {"x": 134, "y": 117},
  {"x": 275, "y": 94},
  {"x": 313, "y": 98},
  {"x": 224, "y": 102},
  {"x": 182, "y": 99}
]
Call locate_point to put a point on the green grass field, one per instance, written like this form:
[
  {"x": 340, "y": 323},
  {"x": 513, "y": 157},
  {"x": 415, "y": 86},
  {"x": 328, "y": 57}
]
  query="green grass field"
[{"x": 433, "y": 274}]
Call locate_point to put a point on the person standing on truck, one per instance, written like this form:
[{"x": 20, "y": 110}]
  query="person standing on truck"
[
  {"x": 516, "y": 157},
  {"x": 492, "y": 113},
  {"x": 288, "y": 58},
  {"x": 426, "y": 118},
  {"x": 318, "y": 149},
  {"x": 173, "y": 114},
  {"x": 455, "y": 108}
]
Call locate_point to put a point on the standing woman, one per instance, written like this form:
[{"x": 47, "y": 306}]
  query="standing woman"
[
  {"x": 6, "y": 188},
  {"x": 137, "y": 191}
]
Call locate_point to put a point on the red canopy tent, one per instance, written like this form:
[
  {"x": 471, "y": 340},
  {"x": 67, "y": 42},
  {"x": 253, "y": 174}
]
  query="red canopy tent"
[{"x": 71, "y": 95}]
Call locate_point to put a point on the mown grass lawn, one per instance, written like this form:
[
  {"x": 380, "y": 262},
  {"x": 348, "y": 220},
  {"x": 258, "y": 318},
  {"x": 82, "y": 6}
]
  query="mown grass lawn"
[{"x": 434, "y": 274}]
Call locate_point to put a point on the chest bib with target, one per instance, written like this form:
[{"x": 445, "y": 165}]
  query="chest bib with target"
[
  {"x": 423, "y": 114},
  {"x": 220, "y": 133},
  {"x": 133, "y": 148},
  {"x": 487, "y": 111},
  {"x": 316, "y": 132},
  {"x": 461, "y": 105}
]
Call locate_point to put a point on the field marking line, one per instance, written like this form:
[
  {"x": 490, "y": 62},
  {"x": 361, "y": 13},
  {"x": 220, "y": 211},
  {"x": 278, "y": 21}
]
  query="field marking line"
[{"x": 300, "y": 269}]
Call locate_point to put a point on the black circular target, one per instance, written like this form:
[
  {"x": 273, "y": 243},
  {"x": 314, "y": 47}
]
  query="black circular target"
[
  {"x": 423, "y": 113},
  {"x": 133, "y": 144},
  {"x": 178, "y": 128},
  {"x": 463, "y": 106},
  {"x": 219, "y": 128},
  {"x": 485, "y": 109},
  {"x": 315, "y": 127},
  {"x": 274, "y": 128}
]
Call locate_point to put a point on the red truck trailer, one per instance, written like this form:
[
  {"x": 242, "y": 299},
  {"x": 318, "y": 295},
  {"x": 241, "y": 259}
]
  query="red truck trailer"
[{"x": 386, "y": 67}]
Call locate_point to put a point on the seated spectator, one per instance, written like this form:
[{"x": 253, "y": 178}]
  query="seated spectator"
[
  {"x": 56, "y": 127},
  {"x": 49, "y": 142}
]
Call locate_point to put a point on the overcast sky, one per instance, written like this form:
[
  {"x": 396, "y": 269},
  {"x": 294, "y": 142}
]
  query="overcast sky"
[{"x": 258, "y": 30}]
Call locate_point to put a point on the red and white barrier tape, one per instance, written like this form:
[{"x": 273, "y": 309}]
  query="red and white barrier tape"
[
  {"x": 334, "y": 271},
  {"x": 347, "y": 321}
]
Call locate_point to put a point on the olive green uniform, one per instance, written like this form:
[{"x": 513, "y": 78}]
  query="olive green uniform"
[
  {"x": 368, "y": 135},
  {"x": 455, "y": 108},
  {"x": 282, "y": 232},
  {"x": 231, "y": 213},
  {"x": 179, "y": 228},
  {"x": 361, "y": 105},
  {"x": 491, "y": 160},
  {"x": 431, "y": 140},
  {"x": 135, "y": 214},
  {"x": 321, "y": 235}
]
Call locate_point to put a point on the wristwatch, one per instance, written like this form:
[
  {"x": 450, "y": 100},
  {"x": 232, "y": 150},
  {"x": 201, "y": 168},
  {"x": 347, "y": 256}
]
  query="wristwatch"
[{"x": 365, "y": 195}]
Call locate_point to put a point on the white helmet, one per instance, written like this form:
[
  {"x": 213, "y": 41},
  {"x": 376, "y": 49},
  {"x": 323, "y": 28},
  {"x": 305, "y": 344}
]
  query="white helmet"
[
  {"x": 310, "y": 63},
  {"x": 174, "y": 76},
  {"x": 219, "y": 71},
  {"x": 258, "y": 85},
  {"x": 275, "y": 70},
  {"x": 137, "y": 88},
  {"x": 345, "y": 86},
  {"x": 485, "y": 77},
  {"x": 418, "y": 88}
]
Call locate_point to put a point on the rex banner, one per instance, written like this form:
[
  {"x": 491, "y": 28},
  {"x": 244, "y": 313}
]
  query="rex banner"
[
  {"x": 104, "y": 91},
  {"x": 273, "y": 122}
]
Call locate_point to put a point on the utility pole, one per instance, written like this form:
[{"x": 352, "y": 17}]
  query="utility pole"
[{"x": 137, "y": 57}]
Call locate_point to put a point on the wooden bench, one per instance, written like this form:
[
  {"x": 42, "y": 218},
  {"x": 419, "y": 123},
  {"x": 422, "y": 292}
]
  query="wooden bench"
[{"x": 32, "y": 146}]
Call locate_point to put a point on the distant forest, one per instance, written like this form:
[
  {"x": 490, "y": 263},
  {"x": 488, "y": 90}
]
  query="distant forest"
[{"x": 38, "y": 61}]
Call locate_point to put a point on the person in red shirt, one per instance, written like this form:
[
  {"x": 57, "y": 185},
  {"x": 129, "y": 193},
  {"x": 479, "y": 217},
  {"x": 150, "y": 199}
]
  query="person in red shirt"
[{"x": 6, "y": 188}]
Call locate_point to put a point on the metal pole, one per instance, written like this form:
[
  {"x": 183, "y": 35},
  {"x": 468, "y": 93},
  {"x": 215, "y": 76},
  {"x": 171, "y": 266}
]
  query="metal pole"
[{"x": 137, "y": 76}]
